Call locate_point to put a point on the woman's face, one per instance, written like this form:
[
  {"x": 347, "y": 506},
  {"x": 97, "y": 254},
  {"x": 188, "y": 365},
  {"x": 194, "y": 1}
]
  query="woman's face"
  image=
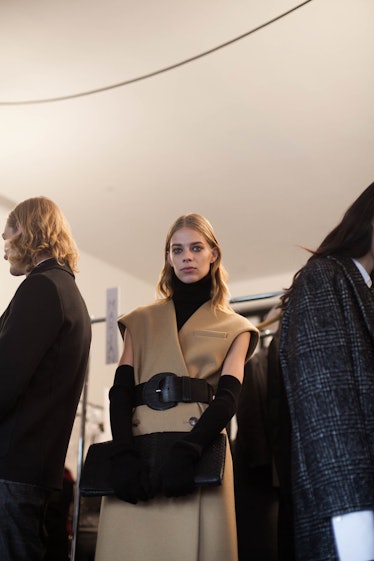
[{"x": 190, "y": 255}]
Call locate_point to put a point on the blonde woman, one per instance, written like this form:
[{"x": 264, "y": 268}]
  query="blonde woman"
[{"x": 190, "y": 332}]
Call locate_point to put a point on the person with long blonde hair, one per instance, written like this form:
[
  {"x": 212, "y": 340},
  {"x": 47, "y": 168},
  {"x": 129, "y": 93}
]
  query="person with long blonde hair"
[
  {"x": 45, "y": 336},
  {"x": 191, "y": 343}
]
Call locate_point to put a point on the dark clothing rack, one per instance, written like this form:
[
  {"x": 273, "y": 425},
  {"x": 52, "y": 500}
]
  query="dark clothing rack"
[{"x": 255, "y": 297}]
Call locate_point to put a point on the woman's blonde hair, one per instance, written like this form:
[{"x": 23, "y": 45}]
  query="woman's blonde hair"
[
  {"x": 220, "y": 293},
  {"x": 43, "y": 231}
]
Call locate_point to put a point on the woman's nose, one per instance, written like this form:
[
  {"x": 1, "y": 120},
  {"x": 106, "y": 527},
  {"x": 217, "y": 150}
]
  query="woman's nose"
[{"x": 187, "y": 256}]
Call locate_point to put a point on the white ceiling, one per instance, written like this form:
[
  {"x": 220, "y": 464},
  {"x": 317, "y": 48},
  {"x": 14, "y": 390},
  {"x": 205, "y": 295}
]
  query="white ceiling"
[{"x": 271, "y": 137}]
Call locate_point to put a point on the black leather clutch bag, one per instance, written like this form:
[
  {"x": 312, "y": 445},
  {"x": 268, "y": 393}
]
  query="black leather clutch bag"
[{"x": 153, "y": 448}]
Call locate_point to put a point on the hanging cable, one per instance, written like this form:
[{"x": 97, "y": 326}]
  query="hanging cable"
[{"x": 161, "y": 70}]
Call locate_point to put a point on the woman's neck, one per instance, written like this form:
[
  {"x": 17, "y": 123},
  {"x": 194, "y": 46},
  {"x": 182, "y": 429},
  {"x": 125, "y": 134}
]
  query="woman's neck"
[{"x": 188, "y": 298}]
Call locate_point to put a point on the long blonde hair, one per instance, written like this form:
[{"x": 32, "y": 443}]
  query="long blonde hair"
[
  {"x": 197, "y": 222},
  {"x": 43, "y": 231}
]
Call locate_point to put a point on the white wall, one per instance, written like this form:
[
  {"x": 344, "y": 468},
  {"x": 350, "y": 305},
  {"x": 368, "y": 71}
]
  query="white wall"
[
  {"x": 93, "y": 280},
  {"x": 273, "y": 283}
]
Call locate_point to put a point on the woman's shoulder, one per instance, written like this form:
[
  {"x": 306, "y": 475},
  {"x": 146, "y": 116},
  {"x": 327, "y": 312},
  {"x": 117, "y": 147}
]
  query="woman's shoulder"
[
  {"x": 322, "y": 279},
  {"x": 240, "y": 324},
  {"x": 144, "y": 311},
  {"x": 321, "y": 269},
  {"x": 236, "y": 320}
]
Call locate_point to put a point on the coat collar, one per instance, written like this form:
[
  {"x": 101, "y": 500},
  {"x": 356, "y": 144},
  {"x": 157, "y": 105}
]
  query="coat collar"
[
  {"x": 364, "y": 294},
  {"x": 49, "y": 264}
]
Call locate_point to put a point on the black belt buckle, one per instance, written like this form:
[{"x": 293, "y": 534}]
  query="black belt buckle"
[{"x": 154, "y": 390}]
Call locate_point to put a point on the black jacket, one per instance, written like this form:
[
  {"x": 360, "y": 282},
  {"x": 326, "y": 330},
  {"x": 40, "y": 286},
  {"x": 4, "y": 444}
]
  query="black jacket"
[
  {"x": 327, "y": 358},
  {"x": 45, "y": 335}
]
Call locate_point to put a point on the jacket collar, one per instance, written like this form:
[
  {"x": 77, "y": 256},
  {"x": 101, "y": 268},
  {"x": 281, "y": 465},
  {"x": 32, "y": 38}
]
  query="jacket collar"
[
  {"x": 49, "y": 264},
  {"x": 364, "y": 294}
]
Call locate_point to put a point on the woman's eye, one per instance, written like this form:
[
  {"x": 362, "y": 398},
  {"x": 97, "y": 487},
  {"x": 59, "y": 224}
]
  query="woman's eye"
[
  {"x": 197, "y": 248},
  {"x": 176, "y": 250}
]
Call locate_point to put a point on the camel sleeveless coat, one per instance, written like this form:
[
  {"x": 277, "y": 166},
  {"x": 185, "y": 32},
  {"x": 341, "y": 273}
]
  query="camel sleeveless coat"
[{"x": 201, "y": 526}]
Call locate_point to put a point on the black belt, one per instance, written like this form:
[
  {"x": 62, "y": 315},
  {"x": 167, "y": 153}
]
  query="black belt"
[{"x": 166, "y": 389}]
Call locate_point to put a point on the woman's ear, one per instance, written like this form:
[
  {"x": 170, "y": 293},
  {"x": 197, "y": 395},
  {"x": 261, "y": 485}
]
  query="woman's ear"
[{"x": 214, "y": 255}]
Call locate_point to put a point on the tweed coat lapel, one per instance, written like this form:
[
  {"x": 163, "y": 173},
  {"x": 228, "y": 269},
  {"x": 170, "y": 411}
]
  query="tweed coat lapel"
[{"x": 364, "y": 294}]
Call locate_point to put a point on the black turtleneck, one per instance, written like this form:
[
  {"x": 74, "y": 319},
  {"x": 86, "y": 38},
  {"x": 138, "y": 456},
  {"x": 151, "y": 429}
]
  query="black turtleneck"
[{"x": 188, "y": 298}]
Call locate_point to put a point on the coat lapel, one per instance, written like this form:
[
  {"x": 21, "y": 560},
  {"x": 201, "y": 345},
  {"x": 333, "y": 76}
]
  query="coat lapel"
[{"x": 364, "y": 294}]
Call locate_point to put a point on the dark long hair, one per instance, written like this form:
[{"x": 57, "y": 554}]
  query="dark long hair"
[{"x": 352, "y": 237}]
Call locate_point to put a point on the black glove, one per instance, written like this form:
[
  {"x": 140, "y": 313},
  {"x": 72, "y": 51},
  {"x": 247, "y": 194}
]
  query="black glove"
[
  {"x": 129, "y": 478},
  {"x": 177, "y": 475}
]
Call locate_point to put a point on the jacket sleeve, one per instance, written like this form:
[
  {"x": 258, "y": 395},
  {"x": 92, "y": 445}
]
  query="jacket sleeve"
[
  {"x": 324, "y": 387},
  {"x": 29, "y": 327}
]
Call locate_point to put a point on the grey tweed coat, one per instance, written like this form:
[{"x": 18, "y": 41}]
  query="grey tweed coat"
[{"x": 327, "y": 359}]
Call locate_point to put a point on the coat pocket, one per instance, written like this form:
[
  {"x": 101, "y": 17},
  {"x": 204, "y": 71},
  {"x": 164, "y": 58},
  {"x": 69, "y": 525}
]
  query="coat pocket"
[{"x": 206, "y": 333}]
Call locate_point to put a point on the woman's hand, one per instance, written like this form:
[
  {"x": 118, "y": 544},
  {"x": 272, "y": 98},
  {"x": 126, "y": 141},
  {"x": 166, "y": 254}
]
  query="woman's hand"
[
  {"x": 177, "y": 474},
  {"x": 129, "y": 478}
]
